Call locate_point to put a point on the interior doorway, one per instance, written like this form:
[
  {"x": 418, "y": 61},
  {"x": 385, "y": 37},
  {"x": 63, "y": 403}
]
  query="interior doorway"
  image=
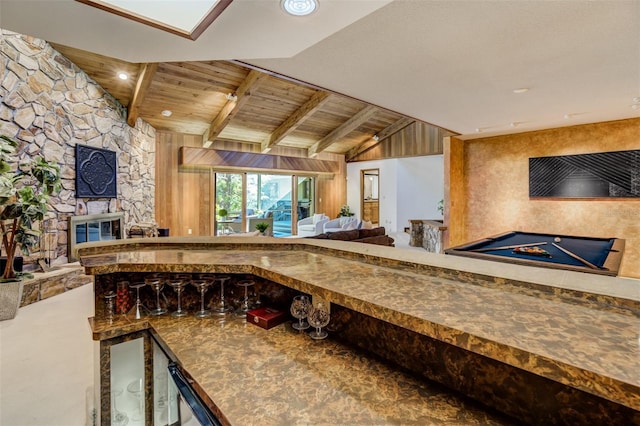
[{"x": 370, "y": 195}]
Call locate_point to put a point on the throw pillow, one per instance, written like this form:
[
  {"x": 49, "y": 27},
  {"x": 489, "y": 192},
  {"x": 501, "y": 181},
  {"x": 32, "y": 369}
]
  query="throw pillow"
[
  {"x": 366, "y": 225},
  {"x": 317, "y": 218},
  {"x": 350, "y": 225}
]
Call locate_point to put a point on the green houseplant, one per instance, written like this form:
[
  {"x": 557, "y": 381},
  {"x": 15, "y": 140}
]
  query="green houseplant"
[
  {"x": 261, "y": 227},
  {"x": 345, "y": 211},
  {"x": 223, "y": 213},
  {"x": 24, "y": 192}
]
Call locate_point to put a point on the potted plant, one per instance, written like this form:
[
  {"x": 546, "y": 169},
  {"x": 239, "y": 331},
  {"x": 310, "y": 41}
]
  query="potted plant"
[
  {"x": 262, "y": 227},
  {"x": 24, "y": 192},
  {"x": 223, "y": 214},
  {"x": 345, "y": 211}
]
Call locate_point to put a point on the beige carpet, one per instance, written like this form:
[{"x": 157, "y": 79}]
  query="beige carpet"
[{"x": 46, "y": 362}]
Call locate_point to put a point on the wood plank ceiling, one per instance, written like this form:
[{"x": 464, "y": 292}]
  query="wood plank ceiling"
[{"x": 225, "y": 101}]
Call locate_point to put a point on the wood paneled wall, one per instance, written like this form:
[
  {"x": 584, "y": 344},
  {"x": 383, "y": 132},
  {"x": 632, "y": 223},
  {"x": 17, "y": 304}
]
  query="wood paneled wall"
[
  {"x": 415, "y": 140},
  {"x": 184, "y": 194}
]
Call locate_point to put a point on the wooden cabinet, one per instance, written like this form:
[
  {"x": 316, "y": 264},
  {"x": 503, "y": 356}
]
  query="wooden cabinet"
[{"x": 370, "y": 211}]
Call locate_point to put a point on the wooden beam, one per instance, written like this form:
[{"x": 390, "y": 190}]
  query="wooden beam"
[
  {"x": 145, "y": 77},
  {"x": 383, "y": 134},
  {"x": 235, "y": 160},
  {"x": 316, "y": 102},
  {"x": 351, "y": 124},
  {"x": 231, "y": 108}
]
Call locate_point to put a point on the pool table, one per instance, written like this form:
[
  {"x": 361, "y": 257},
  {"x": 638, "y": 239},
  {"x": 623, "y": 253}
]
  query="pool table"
[{"x": 584, "y": 254}]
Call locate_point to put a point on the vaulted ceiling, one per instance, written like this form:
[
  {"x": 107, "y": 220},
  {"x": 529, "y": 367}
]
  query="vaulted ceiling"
[{"x": 226, "y": 101}]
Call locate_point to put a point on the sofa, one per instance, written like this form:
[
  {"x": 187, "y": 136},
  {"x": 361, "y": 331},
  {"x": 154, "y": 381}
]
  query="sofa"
[
  {"x": 312, "y": 225},
  {"x": 343, "y": 223},
  {"x": 368, "y": 236}
]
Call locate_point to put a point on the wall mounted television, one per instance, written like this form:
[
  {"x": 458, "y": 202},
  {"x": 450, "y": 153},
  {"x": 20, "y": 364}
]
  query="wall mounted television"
[{"x": 96, "y": 170}]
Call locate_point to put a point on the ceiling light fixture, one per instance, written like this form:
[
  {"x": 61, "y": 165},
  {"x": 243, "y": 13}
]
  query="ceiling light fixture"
[
  {"x": 231, "y": 97},
  {"x": 567, "y": 116},
  {"x": 166, "y": 113},
  {"x": 123, "y": 76},
  {"x": 514, "y": 124},
  {"x": 521, "y": 90},
  {"x": 299, "y": 7},
  {"x": 375, "y": 138}
]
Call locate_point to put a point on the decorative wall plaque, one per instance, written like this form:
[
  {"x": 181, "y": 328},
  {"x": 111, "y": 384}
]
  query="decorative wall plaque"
[
  {"x": 607, "y": 174},
  {"x": 96, "y": 170}
]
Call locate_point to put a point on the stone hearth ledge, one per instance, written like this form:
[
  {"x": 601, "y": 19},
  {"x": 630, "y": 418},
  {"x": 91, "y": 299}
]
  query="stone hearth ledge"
[{"x": 566, "y": 333}]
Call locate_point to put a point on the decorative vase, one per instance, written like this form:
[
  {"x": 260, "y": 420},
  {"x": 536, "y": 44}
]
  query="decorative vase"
[{"x": 10, "y": 297}]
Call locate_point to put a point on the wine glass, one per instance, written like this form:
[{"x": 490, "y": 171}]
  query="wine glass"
[
  {"x": 136, "y": 388},
  {"x": 179, "y": 282},
  {"x": 300, "y": 309},
  {"x": 221, "y": 307},
  {"x": 244, "y": 307},
  {"x": 318, "y": 317},
  {"x": 118, "y": 418},
  {"x": 138, "y": 310},
  {"x": 202, "y": 285},
  {"x": 156, "y": 282}
]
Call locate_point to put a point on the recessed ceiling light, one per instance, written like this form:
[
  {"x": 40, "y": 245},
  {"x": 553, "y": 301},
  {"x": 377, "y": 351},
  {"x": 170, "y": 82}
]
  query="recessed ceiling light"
[
  {"x": 123, "y": 75},
  {"x": 521, "y": 90},
  {"x": 299, "y": 7},
  {"x": 567, "y": 116},
  {"x": 166, "y": 113},
  {"x": 635, "y": 106},
  {"x": 636, "y": 100},
  {"x": 514, "y": 124}
]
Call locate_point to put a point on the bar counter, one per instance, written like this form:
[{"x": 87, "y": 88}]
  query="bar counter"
[{"x": 565, "y": 333}]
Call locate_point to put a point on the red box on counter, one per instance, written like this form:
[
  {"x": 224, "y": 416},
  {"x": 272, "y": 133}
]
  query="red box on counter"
[{"x": 266, "y": 317}]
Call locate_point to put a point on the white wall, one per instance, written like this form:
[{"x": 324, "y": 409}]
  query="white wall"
[
  {"x": 410, "y": 188},
  {"x": 420, "y": 188}
]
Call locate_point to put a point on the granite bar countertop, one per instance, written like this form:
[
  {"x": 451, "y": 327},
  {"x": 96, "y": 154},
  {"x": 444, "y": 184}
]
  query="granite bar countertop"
[
  {"x": 282, "y": 377},
  {"x": 583, "y": 345}
]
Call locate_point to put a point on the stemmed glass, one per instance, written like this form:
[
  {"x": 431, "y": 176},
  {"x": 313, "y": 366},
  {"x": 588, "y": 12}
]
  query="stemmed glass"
[
  {"x": 221, "y": 307},
  {"x": 138, "y": 310},
  {"x": 179, "y": 282},
  {"x": 244, "y": 307},
  {"x": 118, "y": 418},
  {"x": 300, "y": 309},
  {"x": 156, "y": 282},
  {"x": 136, "y": 388},
  {"x": 202, "y": 285},
  {"x": 318, "y": 317}
]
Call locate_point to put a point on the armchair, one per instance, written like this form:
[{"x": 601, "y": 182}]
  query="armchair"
[
  {"x": 312, "y": 225},
  {"x": 343, "y": 223}
]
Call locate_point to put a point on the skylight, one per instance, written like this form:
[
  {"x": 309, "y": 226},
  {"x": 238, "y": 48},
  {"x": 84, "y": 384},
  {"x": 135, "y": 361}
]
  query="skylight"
[{"x": 186, "y": 18}]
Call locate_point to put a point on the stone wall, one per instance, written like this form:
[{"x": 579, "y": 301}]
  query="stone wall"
[{"x": 49, "y": 105}]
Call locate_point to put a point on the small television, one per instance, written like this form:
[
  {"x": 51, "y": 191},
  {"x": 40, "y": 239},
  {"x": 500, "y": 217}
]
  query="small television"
[{"x": 96, "y": 170}]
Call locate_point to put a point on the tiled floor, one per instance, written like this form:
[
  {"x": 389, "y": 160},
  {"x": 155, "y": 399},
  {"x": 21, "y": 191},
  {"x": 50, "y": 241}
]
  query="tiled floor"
[
  {"x": 46, "y": 359},
  {"x": 46, "y": 362}
]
